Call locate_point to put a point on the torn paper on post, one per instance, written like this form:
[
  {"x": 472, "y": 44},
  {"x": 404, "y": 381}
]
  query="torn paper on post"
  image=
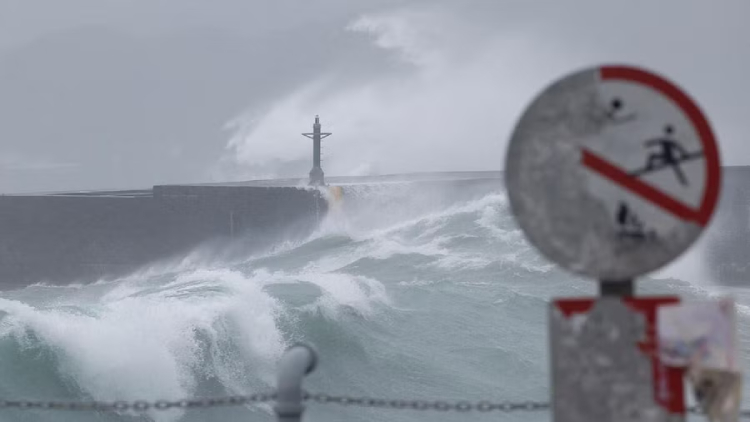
[
  {"x": 700, "y": 334},
  {"x": 719, "y": 392},
  {"x": 702, "y": 337}
]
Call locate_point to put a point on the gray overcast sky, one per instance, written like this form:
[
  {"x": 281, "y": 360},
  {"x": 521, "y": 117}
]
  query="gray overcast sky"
[{"x": 130, "y": 93}]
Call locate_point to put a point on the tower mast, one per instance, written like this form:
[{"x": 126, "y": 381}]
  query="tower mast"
[{"x": 316, "y": 174}]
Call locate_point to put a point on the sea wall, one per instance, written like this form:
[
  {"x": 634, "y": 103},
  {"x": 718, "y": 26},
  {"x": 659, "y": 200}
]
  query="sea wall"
[
  {"x": 82, "y": 237},
  {"x": 727, "y": 250}
]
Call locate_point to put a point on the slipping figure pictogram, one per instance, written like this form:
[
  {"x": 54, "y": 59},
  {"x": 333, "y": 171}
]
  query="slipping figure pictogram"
[{"x": 630, "y": 225}]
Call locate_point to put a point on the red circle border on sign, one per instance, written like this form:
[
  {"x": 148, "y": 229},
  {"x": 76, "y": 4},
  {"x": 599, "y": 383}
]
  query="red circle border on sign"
[{"x": 694, "y": 114}]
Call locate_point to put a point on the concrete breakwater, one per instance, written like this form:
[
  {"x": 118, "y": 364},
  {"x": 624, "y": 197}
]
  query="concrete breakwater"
[
  {"x": 82, "y": 237},
  {"x": 727, "y": 250},
  {"x": 86, "y": 236}
]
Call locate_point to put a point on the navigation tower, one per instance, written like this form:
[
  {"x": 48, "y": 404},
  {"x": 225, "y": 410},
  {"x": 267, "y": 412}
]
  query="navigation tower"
[{"x": 316, "y": 174}]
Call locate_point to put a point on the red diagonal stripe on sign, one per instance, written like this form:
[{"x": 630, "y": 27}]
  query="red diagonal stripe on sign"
[
  {"x": 641, "y": 188},
  {"x": 694, "y": 114}
]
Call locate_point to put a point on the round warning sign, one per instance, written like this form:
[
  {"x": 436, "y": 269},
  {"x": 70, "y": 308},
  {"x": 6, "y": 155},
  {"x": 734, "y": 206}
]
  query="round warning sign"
[{"x": 612, "y": 172}]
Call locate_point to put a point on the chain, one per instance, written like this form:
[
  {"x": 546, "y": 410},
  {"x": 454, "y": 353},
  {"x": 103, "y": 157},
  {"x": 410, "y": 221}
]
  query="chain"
[
  {"x": 744, "y": 413},
  {"x": 438, "y": 405},
  {"x": 138, "y": 405},
  {"x": 460, "y": 406}
]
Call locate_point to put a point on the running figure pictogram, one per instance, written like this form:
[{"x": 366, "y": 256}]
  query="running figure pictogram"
[{"x": 669, "y": 154}]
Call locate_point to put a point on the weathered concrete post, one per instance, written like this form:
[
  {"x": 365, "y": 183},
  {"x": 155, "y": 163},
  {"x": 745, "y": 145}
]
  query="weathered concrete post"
[{"x": 298, "y": 361}]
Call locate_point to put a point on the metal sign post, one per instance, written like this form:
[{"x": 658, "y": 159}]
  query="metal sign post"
[{"x": 612, "y": 172}]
